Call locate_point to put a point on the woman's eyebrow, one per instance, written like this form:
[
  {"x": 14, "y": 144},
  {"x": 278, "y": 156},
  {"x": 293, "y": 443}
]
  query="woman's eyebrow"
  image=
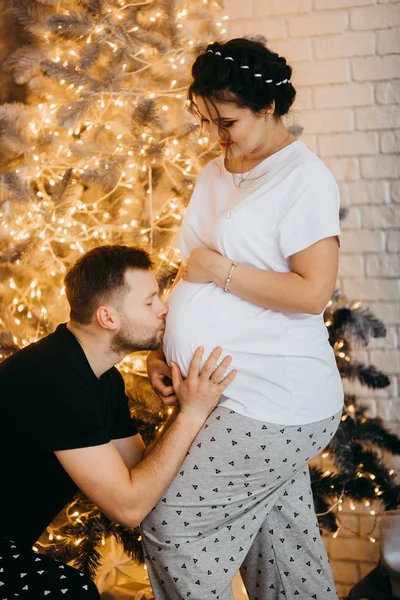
[{"x": 219, "y": 119}]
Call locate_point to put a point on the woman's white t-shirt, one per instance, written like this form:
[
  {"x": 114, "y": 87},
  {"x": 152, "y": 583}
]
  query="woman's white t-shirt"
[{"x": 287, "y": 372}]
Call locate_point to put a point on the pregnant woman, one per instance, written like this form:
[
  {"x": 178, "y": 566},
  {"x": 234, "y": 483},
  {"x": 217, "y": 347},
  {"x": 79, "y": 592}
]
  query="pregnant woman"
[{"x": 259, "y": 244}]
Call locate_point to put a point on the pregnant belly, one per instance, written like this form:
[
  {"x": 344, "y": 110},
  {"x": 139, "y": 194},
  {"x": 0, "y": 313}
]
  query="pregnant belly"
[{"x": 204, "y": 315}]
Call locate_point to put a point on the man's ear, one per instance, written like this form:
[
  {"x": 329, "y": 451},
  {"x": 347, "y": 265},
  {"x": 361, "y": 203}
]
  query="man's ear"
[{"x": 107, "y": 317}]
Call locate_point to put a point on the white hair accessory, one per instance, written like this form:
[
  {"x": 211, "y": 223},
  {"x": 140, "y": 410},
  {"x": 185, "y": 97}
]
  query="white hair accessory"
[{"x": 247, "y": 67}]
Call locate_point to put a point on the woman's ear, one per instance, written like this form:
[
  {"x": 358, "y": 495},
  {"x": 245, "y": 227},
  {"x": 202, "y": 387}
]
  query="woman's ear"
[{"x": 267, "y": 112}]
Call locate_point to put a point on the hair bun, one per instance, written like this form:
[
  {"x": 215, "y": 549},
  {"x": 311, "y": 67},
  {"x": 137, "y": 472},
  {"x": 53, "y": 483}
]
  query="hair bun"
[{"x": 249, "y": 70}]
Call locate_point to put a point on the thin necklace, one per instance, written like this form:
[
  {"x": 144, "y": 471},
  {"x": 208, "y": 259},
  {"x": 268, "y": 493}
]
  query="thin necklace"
[{"x": 248, "y": 173}]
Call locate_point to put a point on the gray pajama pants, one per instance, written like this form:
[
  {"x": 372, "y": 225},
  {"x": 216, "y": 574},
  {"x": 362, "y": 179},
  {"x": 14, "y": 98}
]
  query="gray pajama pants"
[{"x": 242, "y": 500}]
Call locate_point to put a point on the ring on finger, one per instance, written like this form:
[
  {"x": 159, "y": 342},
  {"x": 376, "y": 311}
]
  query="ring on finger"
[{"x": 213, "y": 382}]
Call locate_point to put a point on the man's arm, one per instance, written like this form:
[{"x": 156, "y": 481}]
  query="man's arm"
[
  {"x": 127, "y": 496},
  {"x": 131, "y": 449},
  {"x": 124, "y": 495}
]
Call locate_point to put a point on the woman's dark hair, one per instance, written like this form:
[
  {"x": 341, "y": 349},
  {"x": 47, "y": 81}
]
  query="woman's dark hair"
[
  {"x": 245, "y": 72},
  {"x": 98, "y": 276}
]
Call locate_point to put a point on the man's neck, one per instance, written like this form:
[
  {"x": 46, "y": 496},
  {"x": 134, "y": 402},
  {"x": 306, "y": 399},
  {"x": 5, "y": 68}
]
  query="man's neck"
[{"x": 95, "y": 346}]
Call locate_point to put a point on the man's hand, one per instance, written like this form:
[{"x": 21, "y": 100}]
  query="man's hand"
[
  {"x": 201, "y": 265},
  {"x": 199, "y": 393},
  {"x": 158, "y": 370}
]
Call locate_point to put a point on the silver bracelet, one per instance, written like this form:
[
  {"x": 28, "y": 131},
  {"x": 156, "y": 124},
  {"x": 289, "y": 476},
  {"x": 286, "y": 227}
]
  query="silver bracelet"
[{"x": 229, "y": 278}]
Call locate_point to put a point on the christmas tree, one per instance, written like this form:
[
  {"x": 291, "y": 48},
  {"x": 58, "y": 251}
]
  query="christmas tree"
[{"x": 103, "y": 151}]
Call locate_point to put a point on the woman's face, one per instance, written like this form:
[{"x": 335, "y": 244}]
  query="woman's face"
[{"x": 239, "y": 131}]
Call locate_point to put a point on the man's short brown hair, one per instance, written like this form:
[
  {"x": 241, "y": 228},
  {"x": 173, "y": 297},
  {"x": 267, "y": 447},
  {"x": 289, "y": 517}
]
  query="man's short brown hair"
[{"x": 98, "y": 275}]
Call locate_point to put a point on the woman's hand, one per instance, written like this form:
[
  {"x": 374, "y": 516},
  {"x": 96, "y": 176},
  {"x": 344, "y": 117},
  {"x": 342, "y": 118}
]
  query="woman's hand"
[
  {"x": 199, "y": 393},
  {"x": 202, "y": 264}
]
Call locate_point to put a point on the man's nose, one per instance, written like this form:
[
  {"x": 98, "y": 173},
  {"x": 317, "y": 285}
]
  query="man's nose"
[{"x": 164, "y": 310}]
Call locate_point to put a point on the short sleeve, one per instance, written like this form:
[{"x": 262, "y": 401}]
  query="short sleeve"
[
  {"x": 121, "y": 423},
  {"x": 66, "y": 417},
  {"x": 312, "y": 210}
]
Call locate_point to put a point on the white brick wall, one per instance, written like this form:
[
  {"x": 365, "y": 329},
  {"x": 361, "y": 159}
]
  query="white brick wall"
[{"x": 346, "y": 60}]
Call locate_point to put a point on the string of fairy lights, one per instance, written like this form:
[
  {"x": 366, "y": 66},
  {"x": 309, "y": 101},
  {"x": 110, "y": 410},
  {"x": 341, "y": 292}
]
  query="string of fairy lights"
[
  {"x": 54, "y": 149},
  {"x": 74, "y": 128},
  {"x": 349, "y": 412}
]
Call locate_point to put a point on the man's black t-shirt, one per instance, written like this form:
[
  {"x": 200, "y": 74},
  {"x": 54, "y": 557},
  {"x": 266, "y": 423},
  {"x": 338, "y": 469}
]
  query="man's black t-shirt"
[{"x": 50, "y": 399}]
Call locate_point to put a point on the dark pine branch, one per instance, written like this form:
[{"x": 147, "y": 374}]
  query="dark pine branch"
[
  {"x": 373, "y": 431},
  {"x": 358, "y": 323},
  {"x": 366, "y": 374},
  {"x": 129, "y": 539}
]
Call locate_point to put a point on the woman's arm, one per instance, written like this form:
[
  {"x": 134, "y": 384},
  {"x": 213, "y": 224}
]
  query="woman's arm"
[{"x": 306, "y": 289}]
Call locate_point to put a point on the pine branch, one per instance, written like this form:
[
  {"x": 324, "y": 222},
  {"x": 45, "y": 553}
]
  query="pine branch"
[
  {"x": 32, "y": 15},
  {"x": 358, "y": 323},
  {"x": 105, "y": 176},
  {"x": 88, "y": 557},
  {"x": 166, "y": 277},
  {"x": 145, "y": 114},
  {"x": 7, "y": 343},
  {"x": 69, "y": 74},
  {"x": 373, "y": 431},
  {"x": 60, "y": 190},
  {"x": 129, "y": 539},
  {"x": 351, "y": 458},
  {"x": 53, "y": 2},
  {"x": 90, "y": 148},
  {"x": 371, "y": 463},
  {"x": 70, "y": 115},
  {"x": 95, "y": 7},
  {"x": 17, "y": 189},
  {"x": 85, "y": 554},
  {"x": 327, "y": 519},
  {"x": 345, "y": 453},
  {"x": 24, "y": 63},
  {"x": 329, "y": 486},
  {"x": 70, "y": 26},
  {"x": 90, "y": 56},
  {"x": 13, "y": 253},
  {"x": 135, "y": 40},
  {"x": 366, "y": 375},
  {"x": 13, "y": 123},
  {"x": 112, "y": 77}
]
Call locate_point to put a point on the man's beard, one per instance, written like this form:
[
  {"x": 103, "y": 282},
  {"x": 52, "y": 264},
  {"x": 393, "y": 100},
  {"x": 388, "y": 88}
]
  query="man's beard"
[{"x": 134, "y": 338}]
